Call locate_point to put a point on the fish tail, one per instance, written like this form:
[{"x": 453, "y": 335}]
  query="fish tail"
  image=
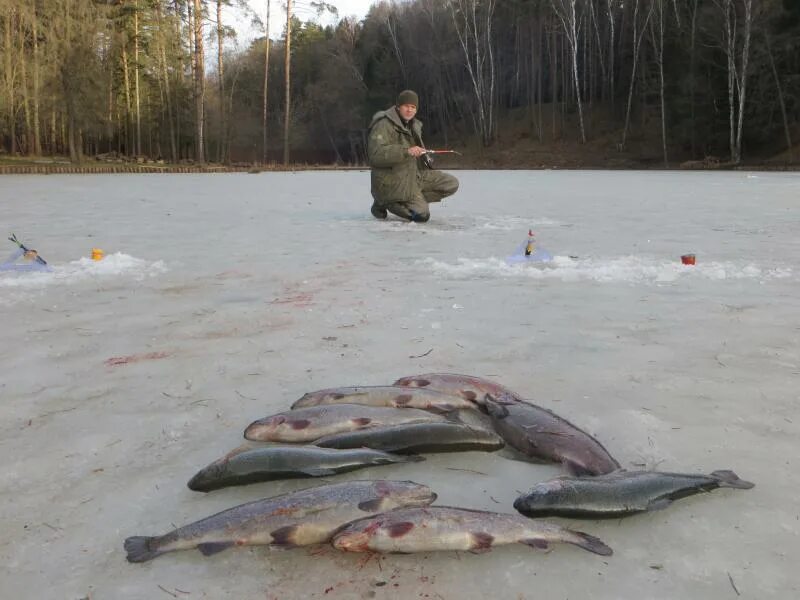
[
  {"x": 730, "y": 479},
  {"x": 589, "y": 542},
  {"x": 141, "y": 548}
]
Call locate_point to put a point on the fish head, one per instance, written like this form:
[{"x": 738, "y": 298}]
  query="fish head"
[
  {"x": 207, "y": 478},
  {"x": 357, "y": 536},
  {"x": 264, "y": 429},
  {"x": 412, "y": 382},
  {"x": 403, "y": 493},
  {"x": 543, "y": 496}
]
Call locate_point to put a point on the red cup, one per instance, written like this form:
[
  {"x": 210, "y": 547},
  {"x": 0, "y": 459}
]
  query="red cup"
[{"x": 688, "y": 259}]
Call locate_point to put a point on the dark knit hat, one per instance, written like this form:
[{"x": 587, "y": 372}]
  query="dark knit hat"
[{"x": 408, "y": 97}]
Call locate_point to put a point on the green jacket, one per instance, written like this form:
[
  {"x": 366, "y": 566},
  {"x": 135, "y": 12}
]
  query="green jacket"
[{"x": 395, "y": 174}]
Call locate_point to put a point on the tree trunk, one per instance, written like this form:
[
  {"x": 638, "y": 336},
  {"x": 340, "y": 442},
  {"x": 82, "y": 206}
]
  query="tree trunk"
[
  {"x": 165, "y": 76},
  {"x": 780, "y": 96},
  {"x": 136, "y": 78},
  {"x": 10, "y": 80},
  {"x": 637, "y": 42},
  {"x": 565, "y": 10},
  {"x": 264, "y": 115},
  {"x": 610, "y": 4},
  {"x": 126, "y": 79},
  {"x": 287, "y": 65},
  {"x": 476, "y": 43},
  {"x": 26, "y": 101},
  {"x": 221, "y": 152},
  {"x": 657, "y": 39},
  {"x": 692, "y": 75},
  {"x": 37, "y": 136},
  {"x": 199, "y": 82},
  {"x": 742, "y": 81}
]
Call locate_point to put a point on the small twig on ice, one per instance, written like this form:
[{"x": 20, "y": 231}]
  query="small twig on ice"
[
  {"x": 467, "y": 470},
  {"x": 733, "y": 585},
  {"x": 167, "y": 591}
]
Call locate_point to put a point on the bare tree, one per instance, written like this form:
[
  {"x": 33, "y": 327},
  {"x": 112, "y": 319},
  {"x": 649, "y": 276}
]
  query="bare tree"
[
  {"x": 165, "y": 76},
  {"x": 737, "y": 74},
  {"x": 567, "y": 14},
  {"x": 392, "y": 28},
  {"x": 136, "y": 77},
  {"x": 266, "y": 86},
  {"x": 637, "y": 43},
  {"x": 657, "y": 40},
  {"x": 475, "y": 39},
  {"x": 37, "y": 139},
  {"x": 223, "y": 126},
  {"x": 287, "y": 65},
  {"x": 786, "y": 131},
  {"x": 199, "y": 82}
]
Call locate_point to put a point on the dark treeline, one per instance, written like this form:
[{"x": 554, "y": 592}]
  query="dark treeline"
[{"x": 152, "y": 78}]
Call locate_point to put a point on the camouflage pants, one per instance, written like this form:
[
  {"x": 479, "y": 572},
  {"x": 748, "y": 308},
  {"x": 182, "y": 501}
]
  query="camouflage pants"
[{"x": 433, "y": 186}]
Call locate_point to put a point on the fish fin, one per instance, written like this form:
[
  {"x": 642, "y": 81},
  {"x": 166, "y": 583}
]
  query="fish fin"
[
  {"x": 730, "y": 479},
  {"x": 141, "y": 548},
  {"x": 362, "y": 421},
  {"x": 659, "y": 503},
  {"x": 481, "y": 542},
  {"x": 494, "y": 408},
  {"x": 317, "y": 471},
  {"x": 370, "y": 506},
  {"x": 450, "y": 414},
  {"x": 576, "y": 470},
  {"x": 402, "y": 400},
  {"x": 410, "y": 458},
  {"x": 539, "y": 544},
  {"x": 210, "y": 548},
  {"x": 283, "y": 536},
  {"x": 590, "y": 543}
]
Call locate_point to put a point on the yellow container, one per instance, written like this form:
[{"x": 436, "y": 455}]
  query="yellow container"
[{"x": 97, "y": 254}]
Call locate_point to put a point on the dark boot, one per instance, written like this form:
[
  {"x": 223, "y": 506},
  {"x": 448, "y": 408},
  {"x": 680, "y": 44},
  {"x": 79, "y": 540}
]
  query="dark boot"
[{"x": 378, "y": 211}]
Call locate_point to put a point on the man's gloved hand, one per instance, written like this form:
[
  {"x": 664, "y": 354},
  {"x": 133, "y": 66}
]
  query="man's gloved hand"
[{"x": 416, "y": 151}]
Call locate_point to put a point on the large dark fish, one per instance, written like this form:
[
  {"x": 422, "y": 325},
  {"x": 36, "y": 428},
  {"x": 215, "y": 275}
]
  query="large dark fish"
[
  {"x": 286, "y": 462},
  {"x": 445, "y": 528},
  {"x": 416, "y": 437},
  {"x": 468, "y": 387},
  {"x": 309, "y": 424},
  {"x": 296, "y": 519},
  {"x": 618, "y": 494},
  {"x": 541, "y": 434},
  {"x": 385, "y": 395}
]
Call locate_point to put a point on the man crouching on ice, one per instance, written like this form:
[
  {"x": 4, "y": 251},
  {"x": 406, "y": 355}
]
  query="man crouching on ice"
[{"x": 403, "y": 181}]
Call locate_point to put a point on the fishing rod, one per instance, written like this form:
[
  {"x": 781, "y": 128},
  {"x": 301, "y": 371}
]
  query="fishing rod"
[
  {"x": 39, "y": 259},
  {"x": 442, "y": 152}
]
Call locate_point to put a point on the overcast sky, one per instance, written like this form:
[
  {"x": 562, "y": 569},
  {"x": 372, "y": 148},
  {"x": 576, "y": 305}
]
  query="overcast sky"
[{"x": 303, "y": 10}]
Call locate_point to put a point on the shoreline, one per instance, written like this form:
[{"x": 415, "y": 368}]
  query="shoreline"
[{"x": 70, "y": 169}]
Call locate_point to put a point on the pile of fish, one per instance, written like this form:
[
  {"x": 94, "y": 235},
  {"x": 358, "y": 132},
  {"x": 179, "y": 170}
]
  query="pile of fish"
[{"x": 342, "y": 429}]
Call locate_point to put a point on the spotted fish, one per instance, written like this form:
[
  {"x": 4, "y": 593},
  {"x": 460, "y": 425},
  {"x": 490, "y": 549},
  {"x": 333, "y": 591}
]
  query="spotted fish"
[
  {"x": 386, "y": 395},
  {"x": 296, "y": 519},
  {"x": 435, "y": 528},
  {"x": 309, "y": 424}
]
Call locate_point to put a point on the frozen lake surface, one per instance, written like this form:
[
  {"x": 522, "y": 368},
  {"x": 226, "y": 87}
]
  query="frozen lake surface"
[{"x": 224, "y": 298}]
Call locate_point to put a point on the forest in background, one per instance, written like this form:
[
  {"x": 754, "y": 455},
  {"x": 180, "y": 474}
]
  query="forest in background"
[{"x": 657, "y": 81}]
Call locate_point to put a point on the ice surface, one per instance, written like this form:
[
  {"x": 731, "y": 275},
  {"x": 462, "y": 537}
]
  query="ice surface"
[{"x": 224, "y": 298}]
